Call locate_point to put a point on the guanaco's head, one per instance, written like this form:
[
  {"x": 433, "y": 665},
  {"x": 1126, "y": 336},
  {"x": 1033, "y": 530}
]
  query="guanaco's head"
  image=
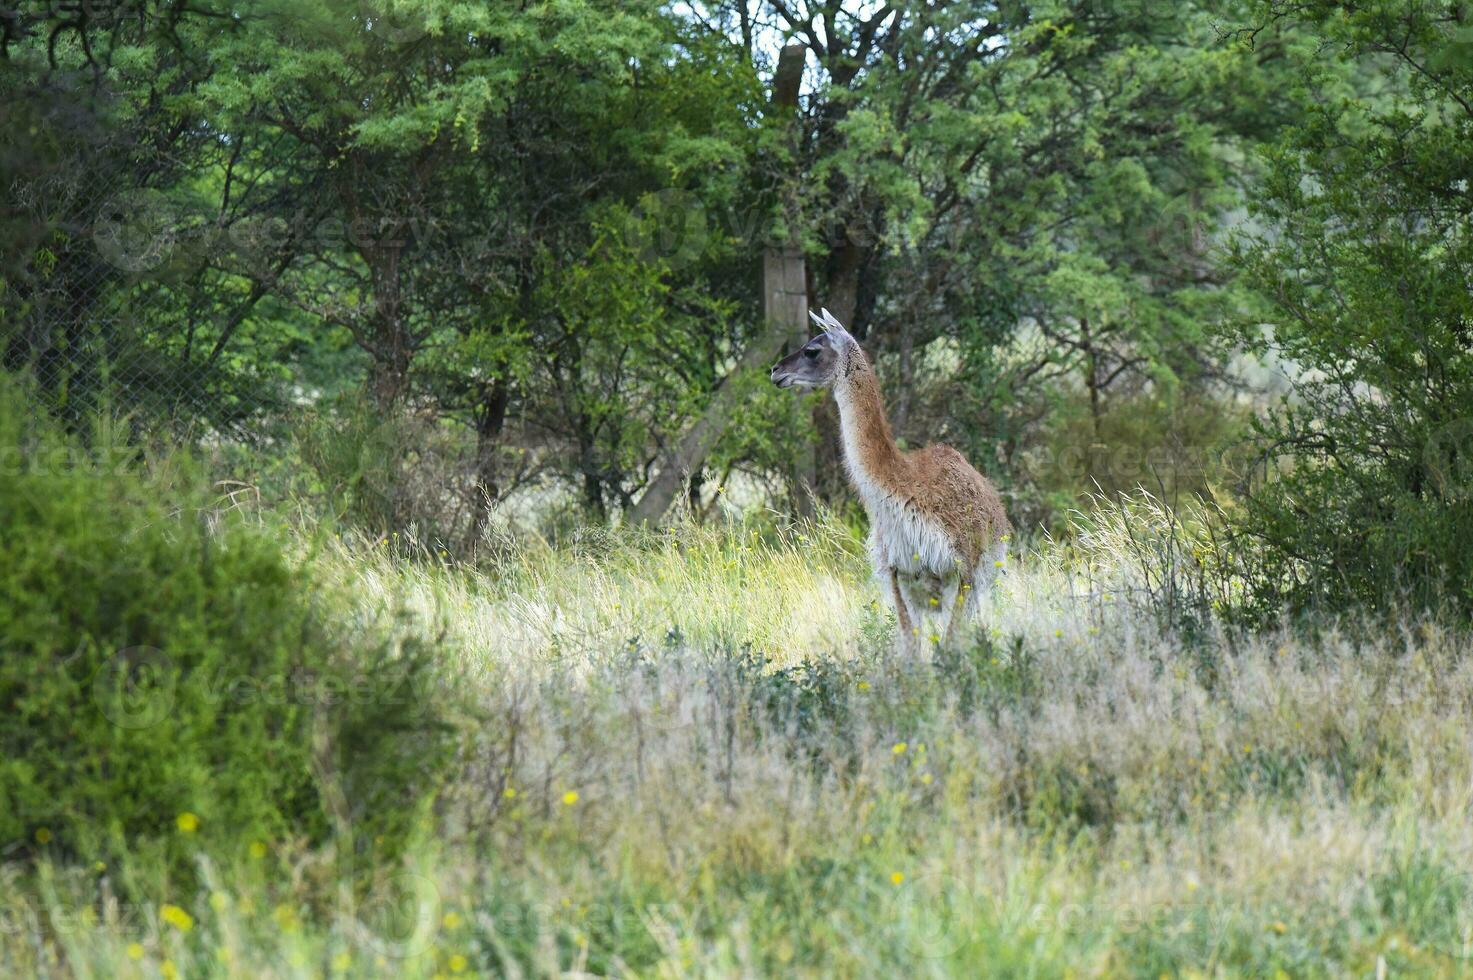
[{"x": 820, "y": 362}]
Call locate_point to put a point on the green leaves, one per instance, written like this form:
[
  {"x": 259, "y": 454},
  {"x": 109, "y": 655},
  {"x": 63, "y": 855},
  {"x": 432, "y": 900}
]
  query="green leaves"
[{"x": 1366, "y": 265}]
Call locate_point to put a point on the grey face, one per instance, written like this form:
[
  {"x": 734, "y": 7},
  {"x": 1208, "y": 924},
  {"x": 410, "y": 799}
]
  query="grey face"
[{"x": 812, "y": 366}]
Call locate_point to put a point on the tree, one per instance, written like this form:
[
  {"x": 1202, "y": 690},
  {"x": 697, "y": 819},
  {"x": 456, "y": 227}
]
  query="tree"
[
  {"x": 1365, "y": 264},
  {"x": 981, "y": 171},
  {"x": 99, "y": 199},
  {"x": 476, "y": 167}
]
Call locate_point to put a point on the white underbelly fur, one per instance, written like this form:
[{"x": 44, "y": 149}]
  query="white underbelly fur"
[
  {"x": 918, "y": 548},
  {"x": 903, "y": 539}
]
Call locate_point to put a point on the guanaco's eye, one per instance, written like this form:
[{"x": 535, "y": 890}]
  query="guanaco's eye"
[{"x": 810, "y": 352}]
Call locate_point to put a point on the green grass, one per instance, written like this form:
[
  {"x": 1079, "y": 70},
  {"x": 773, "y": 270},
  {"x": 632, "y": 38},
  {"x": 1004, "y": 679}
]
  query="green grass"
[{"x": 693, "y": 753}]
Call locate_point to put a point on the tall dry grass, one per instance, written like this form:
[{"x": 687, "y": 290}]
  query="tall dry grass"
[{"x": 694, "y": 753}]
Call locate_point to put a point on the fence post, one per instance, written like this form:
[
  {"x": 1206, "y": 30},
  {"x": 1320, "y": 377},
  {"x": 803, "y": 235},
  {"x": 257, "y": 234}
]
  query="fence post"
[
  {"x": 785, "y": 318},
  {"x": 785, "y": 271}
]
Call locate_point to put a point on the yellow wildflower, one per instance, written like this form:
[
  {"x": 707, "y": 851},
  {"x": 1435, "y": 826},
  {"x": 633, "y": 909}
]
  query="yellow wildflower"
[
  {"x": 899, "y": 748},
  {"x": 897, "y": 878},
  {"x": 458, "y": 963},
  {"x": 570, "y": 797},
  {"x": 135, "y": 951},
  {"x": 286, "y": 918},
  {"x": 177, "y": 917},
  {"x": 188, "y": 822}
]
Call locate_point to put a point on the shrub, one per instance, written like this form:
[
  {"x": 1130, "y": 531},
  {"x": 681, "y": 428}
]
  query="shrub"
[
  {"x": 390, "y": 473},
  {"x": 1365, "y": 262},
  {"x": 1175, "y": 444},
  {"x": 163, "y": 659}
]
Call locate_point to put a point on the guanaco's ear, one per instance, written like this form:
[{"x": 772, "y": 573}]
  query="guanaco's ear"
[{"x": 831, "y": 325}]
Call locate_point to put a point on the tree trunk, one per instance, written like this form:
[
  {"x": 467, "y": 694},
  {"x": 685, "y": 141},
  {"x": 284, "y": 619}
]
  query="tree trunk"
[
  {"x": 785, "y": 315},
  {"x": 691, "y": 448},
  {"x": 844, "y": 264},
  {"x": 490, "y": 422},
  {"x": 785, "y": 301},
  {"x": 388, "y": 382},
  {"x": 378, "y": 238},
  {"x": 785, "y": 273}
]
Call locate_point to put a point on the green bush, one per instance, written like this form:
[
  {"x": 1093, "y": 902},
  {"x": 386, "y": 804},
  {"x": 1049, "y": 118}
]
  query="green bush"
[
  {"x": 381, "y": 473},
  {"x": 1179, "y": 445},
  {"x": 163, "y": 658},
  {"x": 1364, "y": 262}
]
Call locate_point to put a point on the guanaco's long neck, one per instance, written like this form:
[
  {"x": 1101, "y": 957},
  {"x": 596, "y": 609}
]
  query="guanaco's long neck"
[{"x": 870, "y": 452}]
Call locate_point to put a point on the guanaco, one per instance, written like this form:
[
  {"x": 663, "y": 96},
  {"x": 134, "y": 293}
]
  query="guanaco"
[{"x": 938, "y": 530}]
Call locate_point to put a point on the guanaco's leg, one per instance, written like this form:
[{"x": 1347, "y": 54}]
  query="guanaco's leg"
[
  {"x": 905, "y": 627},
  {"x": 955, "y": 606}
]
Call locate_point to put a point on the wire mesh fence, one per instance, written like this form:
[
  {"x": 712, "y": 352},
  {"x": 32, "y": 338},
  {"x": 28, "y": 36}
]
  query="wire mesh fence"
[{"x": 109, "y": 303}]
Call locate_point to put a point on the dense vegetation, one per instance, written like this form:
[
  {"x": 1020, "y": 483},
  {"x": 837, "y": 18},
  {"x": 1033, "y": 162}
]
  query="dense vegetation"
[
  {"x": 164, "y": 657},
  {"x": 519, "y": 248},
  {"x": 345, "y": 343},
  {"x": 1365, "y": 266},
  {"x": 694, "y": 752}
]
